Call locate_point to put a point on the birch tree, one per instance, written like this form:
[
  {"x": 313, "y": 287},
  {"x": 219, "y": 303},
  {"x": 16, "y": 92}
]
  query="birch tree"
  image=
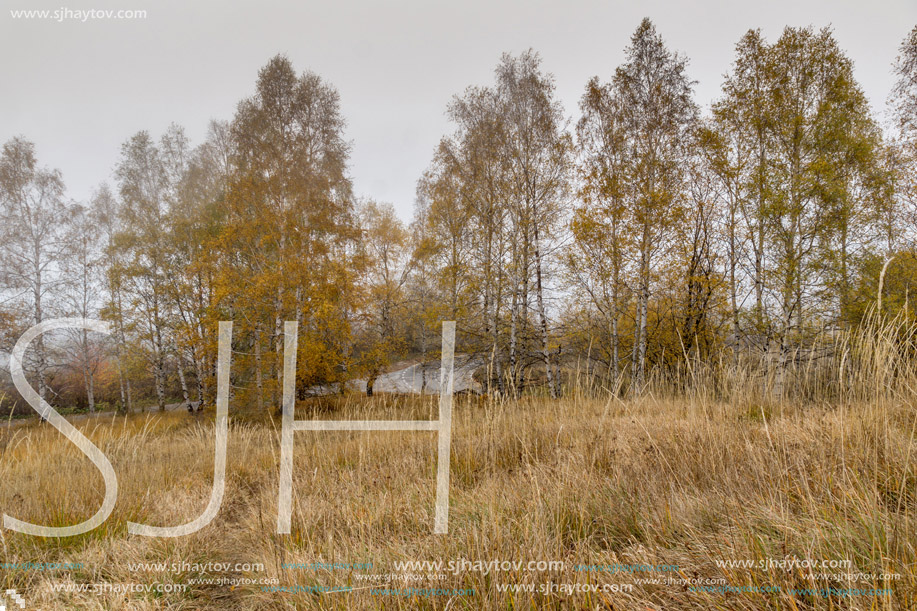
[
  {"x": 289, "y": 232},
  {"x": 538, "y": 150},
  {"x": 105, "y": 211},
  {"x": 657, "y": 115},
  {"x": 32, "y": 224},
  {"x": 386, "y": 244},
  {"x": 903, "y": 101},
  {"x": 82, "y": 267},
  {"x": 143, "y": 180},
  {"x": 597, "y": 259}
]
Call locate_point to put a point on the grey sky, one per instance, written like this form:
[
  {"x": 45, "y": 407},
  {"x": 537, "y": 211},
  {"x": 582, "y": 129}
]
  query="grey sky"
[{"x": 78, "y": 90}]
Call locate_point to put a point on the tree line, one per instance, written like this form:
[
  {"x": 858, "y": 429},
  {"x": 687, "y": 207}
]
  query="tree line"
[{"x": 642, "y": 234}]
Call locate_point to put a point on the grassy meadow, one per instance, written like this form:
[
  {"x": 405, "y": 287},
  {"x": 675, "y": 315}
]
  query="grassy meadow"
[{"x": 588, "y": 480}]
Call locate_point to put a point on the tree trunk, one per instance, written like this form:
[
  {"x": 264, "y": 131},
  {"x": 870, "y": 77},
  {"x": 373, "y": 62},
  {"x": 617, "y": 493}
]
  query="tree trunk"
[
  {"x": 180, "y": 367},
  {"x": 513, "y": 340},
  {"x": 615, "y": 361},
  {"x": 539, "y": 296},
  {"x": 259, "y": 375},
  {"x": 639, "y": 352},
  {"x": 87, "y": 372},
  {"x": 39, "y": 316},
  {"x": 123, "y": 406},
  {"x": 733, "y": 288},
  {"x": 160, "y": 366},
  {"x": 199, "y": 374},
  {"x": 90, "y": 391},
  {"x": 278, "y": 347}
]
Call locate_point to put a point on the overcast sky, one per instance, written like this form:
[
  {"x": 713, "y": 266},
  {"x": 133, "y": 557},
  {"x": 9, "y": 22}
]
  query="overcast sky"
[{"x": 78, "y": 90}]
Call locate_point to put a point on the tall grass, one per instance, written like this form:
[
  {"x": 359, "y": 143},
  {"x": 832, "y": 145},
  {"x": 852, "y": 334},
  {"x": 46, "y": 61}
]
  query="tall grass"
[
  {"x": 721, "y": 468},
  {"x": 876, "y": 359}
]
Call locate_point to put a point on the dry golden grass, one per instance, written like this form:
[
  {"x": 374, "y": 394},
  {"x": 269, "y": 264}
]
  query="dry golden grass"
[{"x": 585, "y": 481}]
